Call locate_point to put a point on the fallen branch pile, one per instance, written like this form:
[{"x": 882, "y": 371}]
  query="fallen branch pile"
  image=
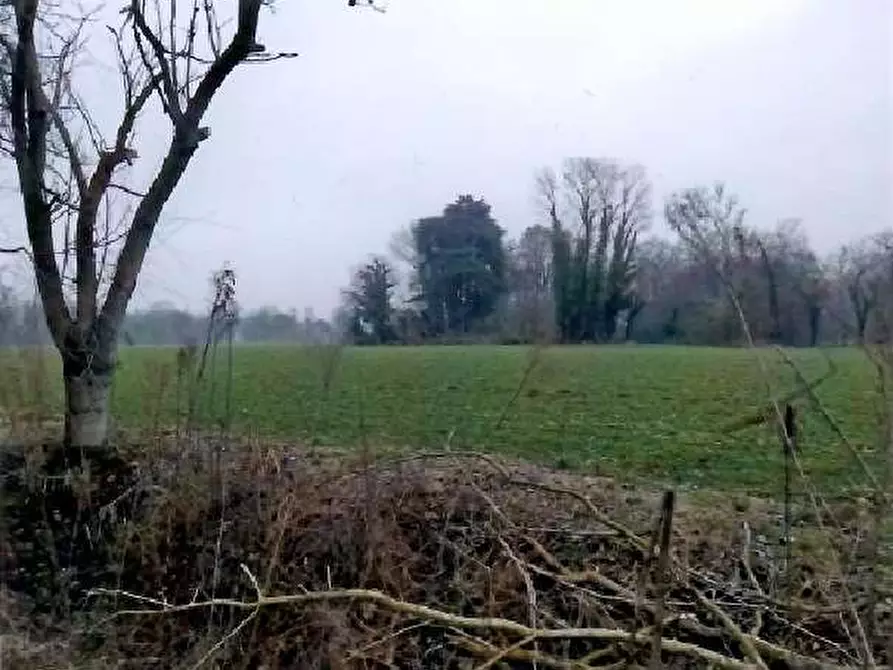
[{"x": 430, "y": 562}]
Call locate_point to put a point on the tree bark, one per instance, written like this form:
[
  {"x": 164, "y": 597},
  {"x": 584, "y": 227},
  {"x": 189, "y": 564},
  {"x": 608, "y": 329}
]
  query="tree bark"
[{"x": 87, "y": 397}]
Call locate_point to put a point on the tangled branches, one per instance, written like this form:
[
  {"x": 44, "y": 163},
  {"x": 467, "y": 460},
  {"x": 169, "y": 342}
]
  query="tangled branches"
[{"x": 422, "y": 562}]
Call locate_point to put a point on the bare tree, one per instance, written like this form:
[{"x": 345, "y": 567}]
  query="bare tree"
[
  {"x": 403, "y": 256},
  {"x": 864, "y": 273},
  {"x": 801, "y": 286},
  {"x": 597, "y": 209},
  {"x": 560, "y": 243},
  {"x": 627, "y": 214},
  {"x": 530, "y": 284},
  {"x": 658, "y": 270},
  {"x": 178, "y": 55},
  {"x": 710, "y": 224}
]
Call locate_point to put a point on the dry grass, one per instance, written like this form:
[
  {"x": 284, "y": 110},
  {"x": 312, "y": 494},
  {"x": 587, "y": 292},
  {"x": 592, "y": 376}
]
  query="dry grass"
[{"x": 428, "y": 561}]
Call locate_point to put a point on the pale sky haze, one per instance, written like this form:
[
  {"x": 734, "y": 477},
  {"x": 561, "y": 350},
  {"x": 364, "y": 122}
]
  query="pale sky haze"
[{"x": 313, "y": 163}]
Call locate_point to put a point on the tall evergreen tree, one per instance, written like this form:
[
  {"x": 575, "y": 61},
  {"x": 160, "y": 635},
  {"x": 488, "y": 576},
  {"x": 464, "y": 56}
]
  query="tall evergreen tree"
[{"x": 460, "y": 266}]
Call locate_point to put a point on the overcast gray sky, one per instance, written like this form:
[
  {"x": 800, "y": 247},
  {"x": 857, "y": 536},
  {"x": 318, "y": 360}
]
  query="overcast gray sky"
[{"x": 313, "y": 163}]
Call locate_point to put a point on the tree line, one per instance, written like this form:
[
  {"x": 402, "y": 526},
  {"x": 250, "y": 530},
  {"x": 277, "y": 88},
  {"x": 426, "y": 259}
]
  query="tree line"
[
  {"x": 592, "y": 271},
  {"x": 22, "y": 324}
]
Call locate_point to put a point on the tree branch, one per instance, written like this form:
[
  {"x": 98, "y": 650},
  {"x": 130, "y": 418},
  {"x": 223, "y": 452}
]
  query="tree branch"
[
  {"x": 74, "y": 160},
  {"x": 167, "y": 82},
  {"x": 506, "y": 626},
  {"x": 30, "y": 124},
  {"x": 100, "y": 181},
  {"x": 187, "y": 136}
]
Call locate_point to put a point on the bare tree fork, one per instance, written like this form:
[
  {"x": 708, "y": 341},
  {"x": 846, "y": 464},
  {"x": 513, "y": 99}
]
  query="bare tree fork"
[
  {"x": 694, "y": 215},
  {"x": 58, "y": 181}
]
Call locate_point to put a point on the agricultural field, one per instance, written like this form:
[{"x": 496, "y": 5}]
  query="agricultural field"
[{"x": 664, "y": 414}]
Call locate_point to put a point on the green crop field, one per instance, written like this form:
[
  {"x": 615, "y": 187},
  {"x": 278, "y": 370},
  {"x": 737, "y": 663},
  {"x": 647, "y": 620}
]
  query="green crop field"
[{"x": 659, "y": 413}]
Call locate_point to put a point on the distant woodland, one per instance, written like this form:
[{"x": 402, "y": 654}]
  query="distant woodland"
[{"x": 591, "y": 271}]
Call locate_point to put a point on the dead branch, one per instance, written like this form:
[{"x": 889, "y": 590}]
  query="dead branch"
[
  {"x": 746, "y": 643},
  {"x": 430, "y": 614}
]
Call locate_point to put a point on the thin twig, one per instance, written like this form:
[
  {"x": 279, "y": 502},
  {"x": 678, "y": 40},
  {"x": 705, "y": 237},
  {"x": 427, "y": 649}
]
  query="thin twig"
[{"x": 226, "y": 638}]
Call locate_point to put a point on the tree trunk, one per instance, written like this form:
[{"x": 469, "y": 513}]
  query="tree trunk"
[
  {"x": 87, "y": 397},
  {"x": 861, "y": 324},
  {"x": 815, "y": 318},
  {"x": 631, "y": 317}
]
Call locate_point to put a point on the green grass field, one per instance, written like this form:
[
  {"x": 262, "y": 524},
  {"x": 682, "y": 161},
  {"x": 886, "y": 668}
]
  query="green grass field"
[{"x": 636, "y": 412}]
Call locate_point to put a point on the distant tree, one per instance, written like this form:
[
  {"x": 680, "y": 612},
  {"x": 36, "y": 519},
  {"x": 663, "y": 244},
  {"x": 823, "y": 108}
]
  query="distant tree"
[
  {"x": 21, "y": 321},
  {"x": 608, "y": 205},
  {"x": 459, "y": 266},
  {"x": 796, "y": 283},
  {"x": 529, "y": 303},
  {"x": 660, "y": 273},
  {"x": 402, "y": 257},
  {"x": 163, "y": 324},
  {"x": 813, "y": 287},
  {"x": 268, "y": 324},
  {"x": 774, "y": 275},
  {"x": 315, "y": 330},
  {"x": 369, "y": 303},
  {"x": 710, "y": 224},
  {"x": 342, "y": 323},
  {"x": 10, "y": 326},
  {"x": 865, "y": 274}
]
